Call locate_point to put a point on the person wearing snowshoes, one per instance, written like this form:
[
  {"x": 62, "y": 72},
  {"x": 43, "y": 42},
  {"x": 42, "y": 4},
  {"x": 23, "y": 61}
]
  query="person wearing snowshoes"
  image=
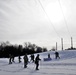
[
  {"x": 25, "y": 60},
  {"x": 10, "y": 59},
  {"x": 32, "y": 58},
  {"x": 13, "y": 58},
  {"x": 19, "y": 59},
  {"x": 37, "y": 59}
]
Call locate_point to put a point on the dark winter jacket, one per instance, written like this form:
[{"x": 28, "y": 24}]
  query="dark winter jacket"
[
  {"x": 37, "y": 59},
  {"x": 25, "y": 59}
]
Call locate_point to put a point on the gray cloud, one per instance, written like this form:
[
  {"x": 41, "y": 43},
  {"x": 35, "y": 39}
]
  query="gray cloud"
[{"x": 25, "y": 20}]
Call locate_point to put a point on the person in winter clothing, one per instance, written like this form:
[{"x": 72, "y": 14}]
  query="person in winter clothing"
[
  {"x": 57, "y": 55},
  {"x": 32, "y": 57},
  {"x": 48, "y": 55},
  {"x": 19, "y": 58},
  {"x": 13, "y": 58},
  {"x": 25, "y": 61},
  {"x": 10, "y": 59},
  {"x": 37, "y": 59}
]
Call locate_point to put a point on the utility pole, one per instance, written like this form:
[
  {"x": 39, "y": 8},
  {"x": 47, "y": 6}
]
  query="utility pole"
[
  {"x": 71, "y": 43},
  {"x": 56, "y": 46},
  {"x": 62, "y": 43}
]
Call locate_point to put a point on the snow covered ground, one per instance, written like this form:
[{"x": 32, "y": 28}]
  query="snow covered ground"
[{"x": 66, "y": 65}]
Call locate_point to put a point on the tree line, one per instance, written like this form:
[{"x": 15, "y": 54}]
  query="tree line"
[{"x": 18, "y": 50}]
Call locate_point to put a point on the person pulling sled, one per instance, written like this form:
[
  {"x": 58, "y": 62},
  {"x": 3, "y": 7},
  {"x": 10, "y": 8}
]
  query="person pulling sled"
[{"x": 57, "y": 55}]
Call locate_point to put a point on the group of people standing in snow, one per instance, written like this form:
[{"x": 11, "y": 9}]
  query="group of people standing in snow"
[
  {"x": 11, "y": 58},
  {"x": 26, "y": 60},
  {"x": 33, "y": 59}
]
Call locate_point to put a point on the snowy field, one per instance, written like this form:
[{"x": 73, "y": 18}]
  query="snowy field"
[{"x": 66, "y": 65}]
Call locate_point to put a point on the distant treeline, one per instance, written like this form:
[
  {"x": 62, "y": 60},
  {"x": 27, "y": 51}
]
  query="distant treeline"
[{"x": 18, "y": 50}]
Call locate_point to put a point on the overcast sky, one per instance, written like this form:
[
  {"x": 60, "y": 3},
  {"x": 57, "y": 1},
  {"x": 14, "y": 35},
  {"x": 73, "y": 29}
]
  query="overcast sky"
[{"x": 42, "y": 22}]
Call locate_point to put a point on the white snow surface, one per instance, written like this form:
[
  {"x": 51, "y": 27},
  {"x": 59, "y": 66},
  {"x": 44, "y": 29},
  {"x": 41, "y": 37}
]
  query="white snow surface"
[{"x": 66, "y": 65}]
